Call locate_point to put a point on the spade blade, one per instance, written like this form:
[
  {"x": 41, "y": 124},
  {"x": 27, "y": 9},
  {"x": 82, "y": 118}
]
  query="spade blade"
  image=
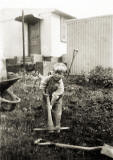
[{"x": 107, "y": 150}]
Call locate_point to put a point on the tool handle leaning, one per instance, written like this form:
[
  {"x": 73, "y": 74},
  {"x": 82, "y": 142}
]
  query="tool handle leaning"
[{"x": 50, "y": 121}]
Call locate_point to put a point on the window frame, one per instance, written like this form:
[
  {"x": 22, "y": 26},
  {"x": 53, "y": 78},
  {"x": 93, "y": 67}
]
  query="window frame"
[{"x": 63, "y": 29}]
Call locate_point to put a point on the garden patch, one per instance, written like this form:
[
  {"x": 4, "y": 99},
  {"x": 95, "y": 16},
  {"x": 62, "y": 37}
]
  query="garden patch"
[{"x": 87, "y": 111}]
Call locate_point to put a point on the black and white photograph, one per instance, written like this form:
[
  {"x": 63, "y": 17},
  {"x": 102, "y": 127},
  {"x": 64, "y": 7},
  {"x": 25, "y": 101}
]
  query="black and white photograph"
[{"x": 56, "y": 80}]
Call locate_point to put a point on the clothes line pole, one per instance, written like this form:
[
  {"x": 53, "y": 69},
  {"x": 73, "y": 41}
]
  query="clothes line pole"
[{"x": 23, "y": 39}]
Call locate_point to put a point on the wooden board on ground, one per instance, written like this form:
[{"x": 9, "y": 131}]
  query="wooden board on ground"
[{"x": 47, "y": 129}]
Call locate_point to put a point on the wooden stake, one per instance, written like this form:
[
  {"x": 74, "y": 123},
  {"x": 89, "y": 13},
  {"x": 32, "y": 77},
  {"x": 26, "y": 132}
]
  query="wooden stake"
[{"x": 23, "y": 39}]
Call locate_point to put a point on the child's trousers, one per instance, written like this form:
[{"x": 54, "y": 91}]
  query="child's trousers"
[{"x": 56, "y": 112}]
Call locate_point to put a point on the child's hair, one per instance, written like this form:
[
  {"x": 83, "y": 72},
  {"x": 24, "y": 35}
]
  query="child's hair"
[{"x": 59, "y": 67}]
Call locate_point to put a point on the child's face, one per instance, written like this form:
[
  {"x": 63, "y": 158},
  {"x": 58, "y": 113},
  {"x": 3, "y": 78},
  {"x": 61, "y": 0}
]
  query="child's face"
[{"x": 58, "y": 75}]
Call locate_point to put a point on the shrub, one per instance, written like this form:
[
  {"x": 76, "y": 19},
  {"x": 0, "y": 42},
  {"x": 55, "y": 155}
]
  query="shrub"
[
  {"x": 101, "y": 77},
  {"x": 81, "y": 79},
  {"x": 90, "y": 114}
]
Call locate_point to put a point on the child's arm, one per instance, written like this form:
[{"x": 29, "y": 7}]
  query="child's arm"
[
  {"x": 58, "y": 92},
  {"x": 43, "y": 83}
]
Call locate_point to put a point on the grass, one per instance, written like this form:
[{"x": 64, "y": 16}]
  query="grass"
[{"x": 87, "y": 111}]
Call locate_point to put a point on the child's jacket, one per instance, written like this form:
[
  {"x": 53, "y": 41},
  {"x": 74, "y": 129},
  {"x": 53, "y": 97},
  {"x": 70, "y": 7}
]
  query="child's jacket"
[{"x": 54, "y": 88}]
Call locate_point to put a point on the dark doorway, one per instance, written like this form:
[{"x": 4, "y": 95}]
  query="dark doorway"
[{"x": 34, "y": 38}]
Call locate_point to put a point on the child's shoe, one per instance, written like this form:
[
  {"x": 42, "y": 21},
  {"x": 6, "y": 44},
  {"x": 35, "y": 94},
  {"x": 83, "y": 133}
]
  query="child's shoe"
[{"x": 57, "y": 129}]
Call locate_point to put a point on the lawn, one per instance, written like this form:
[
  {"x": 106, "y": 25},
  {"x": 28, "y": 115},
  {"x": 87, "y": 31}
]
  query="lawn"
[{"x": 87, "y": 110}]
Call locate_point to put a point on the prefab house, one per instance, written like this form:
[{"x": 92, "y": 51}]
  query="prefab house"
[
  {"x": 93, "y": 37},
  {"x": 45, "y": 34}
]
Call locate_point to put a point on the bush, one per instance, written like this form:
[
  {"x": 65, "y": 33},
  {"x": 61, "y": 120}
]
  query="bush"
[
  {"x": 77, "y": 79},
  {"x": 89, "y": 113},
  {"x": 101, "y": 77},
  {"x": 81, "y": 79}
]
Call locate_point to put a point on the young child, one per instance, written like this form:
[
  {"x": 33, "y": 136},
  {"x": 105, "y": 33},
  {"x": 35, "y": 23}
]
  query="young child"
[{"x": 53, "y": 87}]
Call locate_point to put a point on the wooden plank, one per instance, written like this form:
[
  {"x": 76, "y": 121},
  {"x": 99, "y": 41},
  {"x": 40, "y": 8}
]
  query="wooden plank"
[{"x": 47, "y": 129}]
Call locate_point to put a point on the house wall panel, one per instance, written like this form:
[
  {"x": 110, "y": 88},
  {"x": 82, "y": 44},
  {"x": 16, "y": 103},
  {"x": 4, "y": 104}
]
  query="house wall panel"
[
  {"x": 59, "y": 48},
  {"x": 45, "y": 29},
  {"x": 12, "y": 33},
  {"x": 93, "y": 38},
  {"x": 13, "y": 42}
]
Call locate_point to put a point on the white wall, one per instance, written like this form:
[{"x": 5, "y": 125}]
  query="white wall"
[
  {"x": 12, "y": 33},
  {"x": 93, "y": 37},
  {"x": 112, "y": 44},
  {"x": 1, "y": 41},
  {"x": 3, "y": 74},
  {"x": 13, "y": 45},
  {"x": 58, "y": 48},
  {"x": 45, "y": 26},
  {"x": 50, "y": 33}
]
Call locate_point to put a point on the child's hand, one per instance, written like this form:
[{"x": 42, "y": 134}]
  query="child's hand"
[
  {"x": 54, "y": 99},
  {"x": 45, "y": 94},
  {"x": 50, "y": 107}
]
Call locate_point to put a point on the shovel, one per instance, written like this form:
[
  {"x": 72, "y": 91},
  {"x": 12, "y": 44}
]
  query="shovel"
[
  {"x": 105, "y": 150},
  {"x": 50, "y": 121}
]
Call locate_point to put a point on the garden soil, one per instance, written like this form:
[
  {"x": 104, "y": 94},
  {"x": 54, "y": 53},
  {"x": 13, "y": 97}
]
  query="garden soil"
[{"x": 87, "y": 110}]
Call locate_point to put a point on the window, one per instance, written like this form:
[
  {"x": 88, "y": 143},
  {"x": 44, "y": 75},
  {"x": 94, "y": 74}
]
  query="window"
[
  {"x": 46, "y": 58},
  {"x": 63, "y": 29},
  {"x": 60, "y": 59}
]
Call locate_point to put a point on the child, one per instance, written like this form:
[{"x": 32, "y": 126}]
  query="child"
[{"x": 53, "y": 87}]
